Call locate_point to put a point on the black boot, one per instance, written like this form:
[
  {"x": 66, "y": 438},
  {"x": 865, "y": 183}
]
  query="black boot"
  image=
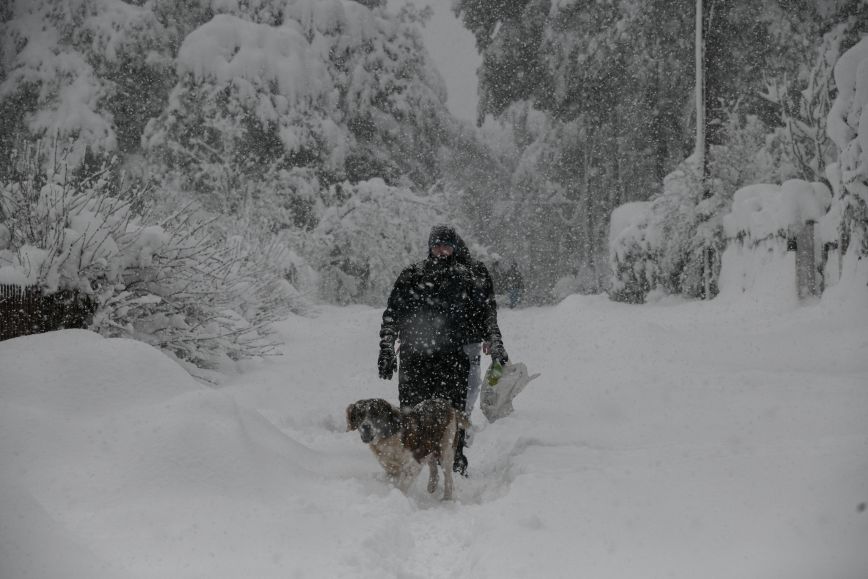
[{"x": 459, "y": 465}]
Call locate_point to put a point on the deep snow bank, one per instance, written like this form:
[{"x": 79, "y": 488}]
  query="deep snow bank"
[
  {"x": 680, "y": 439},
  {"x": 112, "y": 429}
]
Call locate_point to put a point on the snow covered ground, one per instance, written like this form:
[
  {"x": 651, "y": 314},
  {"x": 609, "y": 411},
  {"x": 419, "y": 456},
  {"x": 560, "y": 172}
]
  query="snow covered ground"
[{"x": 682, "y": 440}]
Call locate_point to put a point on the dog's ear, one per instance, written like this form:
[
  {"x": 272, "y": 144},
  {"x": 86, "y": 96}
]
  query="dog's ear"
[
  {"x": 353, "y": 417},
  {"x": 394, "y": 423}
]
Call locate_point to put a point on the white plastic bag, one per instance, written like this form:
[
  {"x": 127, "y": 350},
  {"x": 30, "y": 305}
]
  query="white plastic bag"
[{"x": 496, "y": 400}]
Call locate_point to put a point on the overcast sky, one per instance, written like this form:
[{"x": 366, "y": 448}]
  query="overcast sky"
[{"x": 454, "y": 52}]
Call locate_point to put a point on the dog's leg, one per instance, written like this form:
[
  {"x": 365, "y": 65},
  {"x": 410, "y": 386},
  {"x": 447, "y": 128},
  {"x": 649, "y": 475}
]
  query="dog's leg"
[
  {"x": 447, "y": 457},
  {"x": 432, "y": 473},
  {"x": 409, "y": 472}
]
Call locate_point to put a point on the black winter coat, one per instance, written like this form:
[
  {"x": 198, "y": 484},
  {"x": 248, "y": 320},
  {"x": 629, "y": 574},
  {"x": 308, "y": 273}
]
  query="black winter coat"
[
  {"x": 431, "y": 307},
  {"x": 483, "y": 321}
]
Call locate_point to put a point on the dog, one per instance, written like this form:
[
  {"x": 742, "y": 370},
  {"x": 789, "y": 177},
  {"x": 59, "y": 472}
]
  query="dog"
[{"x": 405, "y": 439}]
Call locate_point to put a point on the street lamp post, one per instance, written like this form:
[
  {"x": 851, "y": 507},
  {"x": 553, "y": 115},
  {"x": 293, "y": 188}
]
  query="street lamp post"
[
  {"x": 700, "y": 94},
  {"x": 708, "y": 251}
]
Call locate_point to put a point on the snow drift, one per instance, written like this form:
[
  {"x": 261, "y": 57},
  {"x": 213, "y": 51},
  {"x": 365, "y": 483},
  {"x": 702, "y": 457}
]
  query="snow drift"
[{"x": 679, "y": 439}]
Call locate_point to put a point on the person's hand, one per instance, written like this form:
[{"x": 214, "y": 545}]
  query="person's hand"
[
  {"x": 387, "y": 363},
  {"x": 498, "y": 353},
  {"x": 486, "y": 348}
]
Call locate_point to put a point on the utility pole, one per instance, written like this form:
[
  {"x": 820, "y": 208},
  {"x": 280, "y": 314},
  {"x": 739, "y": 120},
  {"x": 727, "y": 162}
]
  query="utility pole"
[
  {"x": 700, "y": 94},
  {"x": 708, "y": 251}
]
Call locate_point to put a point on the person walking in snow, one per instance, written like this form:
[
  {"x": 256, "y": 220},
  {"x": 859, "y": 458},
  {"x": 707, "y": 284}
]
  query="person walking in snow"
[
  {"x": 483, "y": 331},
  {"x": 514, "y": 285},
  {"x": 497, "y": 276},
  {"x": 429, "y": 315}
]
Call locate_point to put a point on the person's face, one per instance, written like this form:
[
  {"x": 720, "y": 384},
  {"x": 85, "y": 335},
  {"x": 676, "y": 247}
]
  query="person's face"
[{"x": 442, "y": 250}]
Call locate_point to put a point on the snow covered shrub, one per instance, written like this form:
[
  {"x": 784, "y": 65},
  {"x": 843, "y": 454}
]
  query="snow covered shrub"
[
  {"x": 677, "y": 246},
  {"x": 270, "y": 274},
  {"x": 362, "y": 243},
  {"x": 170, "y": 282},
  {"x": 633, "y": 253},
  {"x": 672, "y": 243},
  {"x": 690, "y": 232},
  {"x": 763, "y": 220},
  {"x": 61, "y": 234}
]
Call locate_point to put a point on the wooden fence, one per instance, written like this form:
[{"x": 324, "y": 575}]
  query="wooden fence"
[{"x": 26, "y": 310}]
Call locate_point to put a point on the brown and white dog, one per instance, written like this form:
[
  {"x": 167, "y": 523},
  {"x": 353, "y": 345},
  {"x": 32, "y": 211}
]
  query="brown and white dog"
[{"x": 404, "y": 439}]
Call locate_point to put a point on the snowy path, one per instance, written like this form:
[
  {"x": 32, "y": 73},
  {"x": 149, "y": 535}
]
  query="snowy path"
[{"x": 688, "y": 440}]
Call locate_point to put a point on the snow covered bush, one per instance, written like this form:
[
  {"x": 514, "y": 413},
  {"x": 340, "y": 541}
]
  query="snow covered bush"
[
  {"x": 677, "y": 245},
  {"x": 633, "y": 252},
  {"x": 171, "y": 282},
  {"x": 362, "y": 242},
  {"x": 60, "y": 232},
  {"x": 672, "y": 243},
  {"x": 763, "y": 221}
]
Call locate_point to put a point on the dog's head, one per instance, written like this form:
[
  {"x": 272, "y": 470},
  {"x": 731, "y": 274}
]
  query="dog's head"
[{"x": 374, "y": 418}]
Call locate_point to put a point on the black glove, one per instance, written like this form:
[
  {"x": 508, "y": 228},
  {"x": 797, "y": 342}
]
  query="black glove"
[
  {"x": 387, "y": 362},
  {"x": 498, "y": 353}
]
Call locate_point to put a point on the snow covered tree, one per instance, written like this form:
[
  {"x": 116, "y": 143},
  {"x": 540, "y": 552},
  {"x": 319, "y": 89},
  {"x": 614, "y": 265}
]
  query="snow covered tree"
[
  {"x": 677, "y": 240},
  {"x": 475, "y": 176},
  {"x": 615, "y": 80},
  {"x": 392, "y": 99},
  {"x": 259, "y": 110},
  {"x": 803, "y": 105},
  {"x": 849, "y": 176},
  {"x": 250, "y": 106},
  {"x": 329, "y": 90},
  {"x": 93, "y": 71},
  {"x": 362, "y": 243}
]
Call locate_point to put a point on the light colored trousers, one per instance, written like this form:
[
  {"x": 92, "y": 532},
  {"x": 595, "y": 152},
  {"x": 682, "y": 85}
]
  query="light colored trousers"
[{"x": 474, "y": 378}]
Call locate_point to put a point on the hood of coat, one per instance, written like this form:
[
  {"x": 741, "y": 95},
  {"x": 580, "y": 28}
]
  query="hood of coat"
[
  {"x": 443, "y": 235},
  {"x": 462, "y": 254}
]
